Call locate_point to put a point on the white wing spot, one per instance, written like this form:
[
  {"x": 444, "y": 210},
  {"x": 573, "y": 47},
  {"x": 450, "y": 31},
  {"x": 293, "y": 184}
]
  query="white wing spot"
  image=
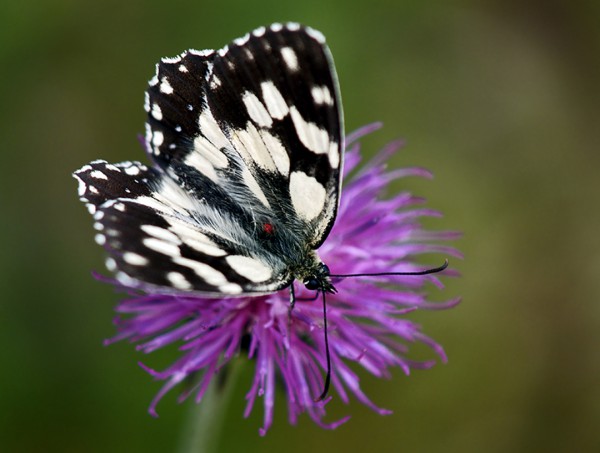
[
  {"x": 215, "y": 83},
  {"x": 208, "y": 151},
  {"x": 160, "y": 246},
  {"x": 201, "y": 53},
  {"x": 259, "y": 32},
  {"x": 132, "y": 171},
  {"x": 308, "y": 195},
  {"x": 207, "y": 273},
  {"x": 316, "y": 35},
  {"x": 157, "y": 138},
  {"x": 211, "y": 130},
  {"x": 276, "y": 104},
  {"x": 209, "y": 70},
  {"x": 252, "y": 148},
  {"x": 182, "y": 68},
  {"x": 148, "y": 135},
  {"x": 156, "y": 112},
  {"x": 254, "y": 187},
  {"x": 172, "y": 195},
  {"x": 256, "y": 110},
  {"x": 250, "y": 268},
  {"x": 134, "y": 259},
  {"x": 111, "y": 264},
  {"x": 334, "y": 155},
  {"x": 98, "y": 175},
  {"x": 311, "y": 135},
  {"x": 230, "y": 288},
  {"x": 80, "y": 186},
  {"x": 202, "y": 164},
  {"x": 243, "y": 40},
  {"x": 125, "y": 279},
  {"x": 178, "y": 280},
  {"x": 223, "y": 51},
  {"x": 171, "y": 60},
  {"x": 321, "y": 95},
  {"x": 165, "y": 86},
  {"x": 100, "y": 239},
  {"x": 160, "y": 233},
  {"x": 278, "y": 153},
  {"x": 196, "y": 240},
  {"x": 112, "y": 232},
  {"x": 290, "y": 58}
]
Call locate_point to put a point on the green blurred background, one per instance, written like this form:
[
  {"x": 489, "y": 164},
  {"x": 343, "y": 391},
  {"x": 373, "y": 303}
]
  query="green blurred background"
[{"x": 499, "y": 99}]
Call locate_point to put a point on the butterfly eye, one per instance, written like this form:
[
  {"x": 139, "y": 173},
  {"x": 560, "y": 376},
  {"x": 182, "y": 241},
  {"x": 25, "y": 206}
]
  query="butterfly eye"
[
  {"x": 311, "y": 283},
  {"x": 325, "y": 269}
]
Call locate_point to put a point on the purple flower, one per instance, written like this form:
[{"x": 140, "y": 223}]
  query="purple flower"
[{"x": 365, "y": 318}]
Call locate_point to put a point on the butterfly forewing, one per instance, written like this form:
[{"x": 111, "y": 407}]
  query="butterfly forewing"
[
  {"x": 174, "y": 100},
  {"x": 275, "y": 93},
  {"x": 247, "y": 145}
]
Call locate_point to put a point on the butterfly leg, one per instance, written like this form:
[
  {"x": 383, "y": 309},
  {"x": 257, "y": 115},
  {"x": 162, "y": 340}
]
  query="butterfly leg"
[{"x": 292, "y": 299}]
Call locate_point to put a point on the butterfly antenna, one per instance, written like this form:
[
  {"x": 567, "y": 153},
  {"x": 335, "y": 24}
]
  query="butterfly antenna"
[
  {"x": 328, "y": 357},
  {"x": 423, "y": 272}
]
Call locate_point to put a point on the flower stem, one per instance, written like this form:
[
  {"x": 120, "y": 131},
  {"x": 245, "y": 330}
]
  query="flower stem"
[{"x": 202, "y": 431}]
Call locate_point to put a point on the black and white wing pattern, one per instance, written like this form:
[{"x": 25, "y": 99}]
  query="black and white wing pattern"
[{"x": 247, "y": 147}]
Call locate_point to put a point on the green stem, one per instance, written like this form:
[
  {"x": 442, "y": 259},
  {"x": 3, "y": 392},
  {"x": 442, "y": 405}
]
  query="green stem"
[{"x": 202, "y": 431}]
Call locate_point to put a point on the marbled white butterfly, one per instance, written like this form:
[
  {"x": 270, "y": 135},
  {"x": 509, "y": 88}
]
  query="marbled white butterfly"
[{"x": 246, "y": 145}]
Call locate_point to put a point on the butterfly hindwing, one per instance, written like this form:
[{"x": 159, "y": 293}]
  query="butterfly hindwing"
[
  {"x": 246, "y": 143},
  {"x": 147, "y": 226}
]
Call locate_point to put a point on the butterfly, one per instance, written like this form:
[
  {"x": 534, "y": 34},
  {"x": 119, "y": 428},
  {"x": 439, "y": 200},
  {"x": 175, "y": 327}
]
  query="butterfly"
[
  {"x": 246, "y": 145},
  {"x": 246, "y": 148}
]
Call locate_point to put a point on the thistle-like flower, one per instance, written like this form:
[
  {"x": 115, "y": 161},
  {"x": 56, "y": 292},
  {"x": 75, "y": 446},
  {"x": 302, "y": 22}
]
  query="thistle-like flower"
[{"x": 366, "y": 318}]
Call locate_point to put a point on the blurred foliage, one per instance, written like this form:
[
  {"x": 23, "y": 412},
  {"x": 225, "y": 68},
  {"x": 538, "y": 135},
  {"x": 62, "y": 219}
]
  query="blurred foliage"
[{"x": 498, "y": 98}]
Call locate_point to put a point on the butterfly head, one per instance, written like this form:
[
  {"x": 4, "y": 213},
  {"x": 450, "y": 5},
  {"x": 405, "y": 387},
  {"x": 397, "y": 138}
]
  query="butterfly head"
[{"x": 318, "y": 279}]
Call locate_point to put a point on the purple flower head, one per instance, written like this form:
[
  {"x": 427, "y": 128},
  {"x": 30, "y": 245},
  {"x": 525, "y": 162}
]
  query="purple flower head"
[{"x": 366, "y": 323}]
